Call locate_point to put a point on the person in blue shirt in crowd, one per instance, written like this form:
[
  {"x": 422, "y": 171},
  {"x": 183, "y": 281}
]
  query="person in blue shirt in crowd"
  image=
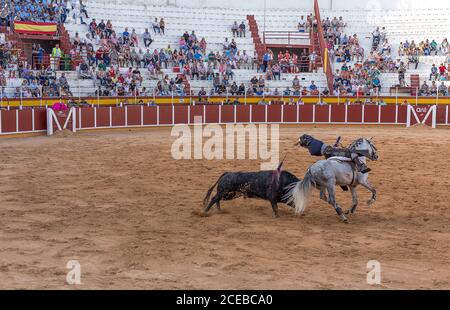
[
  {"x": 32, "y": 10},
  {"x": 266, "y": 59},
  {"x": 313, "y": 86}
]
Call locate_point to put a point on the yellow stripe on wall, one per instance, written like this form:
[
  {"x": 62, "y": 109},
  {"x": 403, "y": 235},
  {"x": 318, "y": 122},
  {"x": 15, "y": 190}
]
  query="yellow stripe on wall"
[{"x": 218, "y": 100}]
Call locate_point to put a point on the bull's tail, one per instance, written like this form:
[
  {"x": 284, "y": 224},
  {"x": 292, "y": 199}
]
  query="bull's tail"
[
  {"x": 300, "y": 193},
  {"x": 208, "y": 194}
]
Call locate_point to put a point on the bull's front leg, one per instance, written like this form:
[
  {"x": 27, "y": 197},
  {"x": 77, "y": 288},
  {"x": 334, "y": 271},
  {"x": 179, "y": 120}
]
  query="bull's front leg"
[{"x": 275, "y": 209}]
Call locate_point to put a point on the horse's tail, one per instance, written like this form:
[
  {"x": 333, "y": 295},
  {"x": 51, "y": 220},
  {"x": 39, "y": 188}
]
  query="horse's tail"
[
  {"x": 300, "y": 193},
  {"x": 208, "y": 194}
]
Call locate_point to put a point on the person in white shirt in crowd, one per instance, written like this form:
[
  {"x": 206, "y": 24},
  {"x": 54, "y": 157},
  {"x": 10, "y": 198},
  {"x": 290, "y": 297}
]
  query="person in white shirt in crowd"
[
  {"x": 156, "y": 27},
  {"x": 383, "y": 34},
  {"x": 147, "y": 37},
  {"x": 302, "y": 25},
  {"x": 312, "y": 62},
  {"x": 445, "y": 47},
  {"x": 226, "y": 45},
  {"x": 88, "y": 41},
  {"x": 235, "y": 29},
  {"x": 386, "y": 47},
  {"x": 376, "y": 37},
  {"x": 244, "y": 60}
]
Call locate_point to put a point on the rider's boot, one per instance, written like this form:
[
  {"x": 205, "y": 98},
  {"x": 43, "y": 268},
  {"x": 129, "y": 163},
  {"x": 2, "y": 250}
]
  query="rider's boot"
[{"x": 360, "y": 165}]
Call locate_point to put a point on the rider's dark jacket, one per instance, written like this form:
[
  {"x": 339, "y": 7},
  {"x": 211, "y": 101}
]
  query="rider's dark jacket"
[
  {"x": 318, "y": 148},
  {"x": 315, "y": 147}
]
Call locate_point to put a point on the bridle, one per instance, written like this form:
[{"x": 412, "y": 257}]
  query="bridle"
[{"x": 371, "y": 155}]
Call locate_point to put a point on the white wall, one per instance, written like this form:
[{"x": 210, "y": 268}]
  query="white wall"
[
  {"x": 383, "y": 4},
  {"x": 299, "y": 4}
]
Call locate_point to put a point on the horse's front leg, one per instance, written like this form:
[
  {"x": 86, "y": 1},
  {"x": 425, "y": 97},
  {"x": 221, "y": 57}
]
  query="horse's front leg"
[
  {"x": 371, "y": 189},
  {"x": 354, "y": 201}
]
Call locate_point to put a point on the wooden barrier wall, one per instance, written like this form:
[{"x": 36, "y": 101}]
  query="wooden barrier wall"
[{"x": 34, "y": 120}]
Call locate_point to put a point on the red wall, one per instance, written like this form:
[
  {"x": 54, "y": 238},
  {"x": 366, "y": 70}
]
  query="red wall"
[{"x": 13, "y": 121}]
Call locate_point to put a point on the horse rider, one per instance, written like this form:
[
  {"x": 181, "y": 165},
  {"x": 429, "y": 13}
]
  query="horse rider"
[{"x": 319, "y": 148}]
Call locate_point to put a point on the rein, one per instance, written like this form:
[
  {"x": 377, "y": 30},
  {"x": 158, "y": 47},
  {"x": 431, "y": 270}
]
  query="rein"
[{"x": 355, "y": 174}]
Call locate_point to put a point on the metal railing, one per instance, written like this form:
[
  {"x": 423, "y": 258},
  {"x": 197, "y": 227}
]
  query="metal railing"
[
  {"x": 287, "y": 37},
  {"x": 22, "y": 97},
  {"x": 55, "y": 63}
]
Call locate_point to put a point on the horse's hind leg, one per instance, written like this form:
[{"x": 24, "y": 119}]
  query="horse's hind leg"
[
  {"x": 323, "y": 196},
  {"x": 354, "y": 201},
  {"x": 332, "y": 196}
]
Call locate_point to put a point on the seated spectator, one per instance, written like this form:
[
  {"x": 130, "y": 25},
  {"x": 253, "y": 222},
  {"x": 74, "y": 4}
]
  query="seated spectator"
[
  {"x": 156, "y": 26},
  {"x": 433, "y": 89},
  {"x": 376, "y": 38},
  {"x": 296, "y": 84},
  {"x": 134, "y": 38},
  {"x": 442, "y": 90},
  {"x": 126, "y": 36},
  {"x": 85, "y": 72},
  {"x": 202, "y": 96},
  {"x": 234, "y": 89},
  {"x": 242, "y": 30},
  {"x": 312, "y": 87},
  {"x": 434, "y": 73},
  {"x": 235, "y": 29},
  {"x": 424, "y": 89},
  {"x": 276, "y": 71},
  {"x": 162, "y": 26}
]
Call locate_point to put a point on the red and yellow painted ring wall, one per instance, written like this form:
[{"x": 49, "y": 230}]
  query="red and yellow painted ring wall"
[
  {"x": 32, "y": 102},
  {"x": 35, "y": 119}
]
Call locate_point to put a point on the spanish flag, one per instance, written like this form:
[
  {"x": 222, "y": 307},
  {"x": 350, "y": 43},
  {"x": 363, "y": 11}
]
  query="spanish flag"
[{"x": 35, "y": 28}]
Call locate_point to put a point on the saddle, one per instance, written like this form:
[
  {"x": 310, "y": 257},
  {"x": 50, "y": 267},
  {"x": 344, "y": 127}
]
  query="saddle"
[
  {"x": 341, "y": 159},
  {"x": 351, "y": 163}
]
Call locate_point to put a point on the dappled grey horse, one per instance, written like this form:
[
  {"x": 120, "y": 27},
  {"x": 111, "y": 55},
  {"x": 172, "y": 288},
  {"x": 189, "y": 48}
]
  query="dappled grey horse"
[{"x": 325, "y": 175}]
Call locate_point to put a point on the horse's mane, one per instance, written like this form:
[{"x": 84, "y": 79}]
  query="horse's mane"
[{"x": 358, "y": 142}]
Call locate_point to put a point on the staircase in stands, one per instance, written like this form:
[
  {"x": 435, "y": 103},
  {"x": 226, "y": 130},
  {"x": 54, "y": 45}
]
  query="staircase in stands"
[
  {"x": 259, "y": 46},
  {"x": 314, "y": 35}
]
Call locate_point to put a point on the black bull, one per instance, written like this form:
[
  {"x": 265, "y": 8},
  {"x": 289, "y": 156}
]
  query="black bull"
[{"x": 271, "y": 186}]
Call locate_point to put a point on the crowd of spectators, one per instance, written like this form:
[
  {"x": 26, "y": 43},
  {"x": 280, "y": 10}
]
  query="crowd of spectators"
[
  {"x": 308, "y": 24},
  {"x": 35, "y": 84},
  {"x": 32, "y": 10},
  {"x": 285, "y": 62},
  {"x": 424, "y": 48},
  {"x": 258, "y": 87},
  {"x": 104, "y": 50},
  {"x": 56, "y": 11},
  {"x": 239, "y": 30},
  {"x": 9, "y": 57},
  {"x": 43, "y": 83},
  {"x": 359, "y": 75}
]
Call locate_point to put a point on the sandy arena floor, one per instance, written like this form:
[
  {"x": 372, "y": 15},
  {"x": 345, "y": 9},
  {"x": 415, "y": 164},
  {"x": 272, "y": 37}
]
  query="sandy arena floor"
[{"x": 118, "y": 203}]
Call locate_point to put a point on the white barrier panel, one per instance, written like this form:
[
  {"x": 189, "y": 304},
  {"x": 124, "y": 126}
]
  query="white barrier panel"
[
  {"x": 53, "y": 119},
  {"x": 421, "y": 115}
]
